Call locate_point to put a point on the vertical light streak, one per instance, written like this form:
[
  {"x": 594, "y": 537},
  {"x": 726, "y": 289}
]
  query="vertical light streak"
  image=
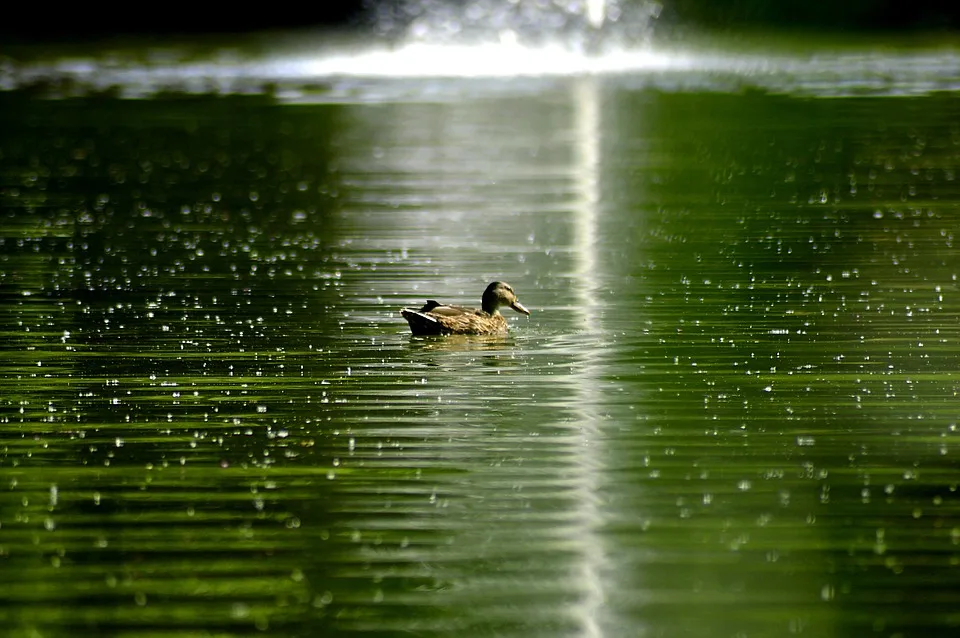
[{"x": 586, "y": 380}]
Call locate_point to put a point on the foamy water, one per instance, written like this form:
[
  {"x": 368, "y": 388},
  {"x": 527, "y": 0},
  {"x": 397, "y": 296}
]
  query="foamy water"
[{"x": 362, "y": 71}]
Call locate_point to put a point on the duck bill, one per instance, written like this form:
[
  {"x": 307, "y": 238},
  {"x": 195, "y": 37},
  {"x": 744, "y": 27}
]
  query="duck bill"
[{"x": 516, "y": 305}]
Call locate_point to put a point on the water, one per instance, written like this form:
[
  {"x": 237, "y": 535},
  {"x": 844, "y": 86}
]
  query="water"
[{"x": 732, "y": 412}]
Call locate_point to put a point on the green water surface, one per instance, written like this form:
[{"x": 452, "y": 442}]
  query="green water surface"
[{"x": 733, "y": 411}]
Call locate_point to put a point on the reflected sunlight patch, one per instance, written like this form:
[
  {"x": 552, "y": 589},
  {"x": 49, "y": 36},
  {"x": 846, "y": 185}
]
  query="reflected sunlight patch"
[
  {"x": 308, "y": 72},
  {"x": 486, "y": 60}
]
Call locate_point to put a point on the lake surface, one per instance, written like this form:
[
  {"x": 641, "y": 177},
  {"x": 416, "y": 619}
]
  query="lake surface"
[{"x": 732, "y": 412}]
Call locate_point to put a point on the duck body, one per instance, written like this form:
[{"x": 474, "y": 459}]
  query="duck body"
[{"x": 435, "y": 318}]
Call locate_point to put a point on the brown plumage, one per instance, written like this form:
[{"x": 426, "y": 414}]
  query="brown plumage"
[{"x": 436, "y": 318}]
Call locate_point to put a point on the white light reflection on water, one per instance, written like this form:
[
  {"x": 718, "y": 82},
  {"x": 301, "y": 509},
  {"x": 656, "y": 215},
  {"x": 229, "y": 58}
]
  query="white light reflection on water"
[
  {"x": 490, "y": 60},
  {"x": 586, "y": 384},
  {"x": 354, "y": 71},
  {"x": 415, "y": 56}
]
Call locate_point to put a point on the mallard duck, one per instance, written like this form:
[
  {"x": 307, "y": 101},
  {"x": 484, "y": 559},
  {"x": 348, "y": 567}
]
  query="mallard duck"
[{"x": 436, "y": 318}]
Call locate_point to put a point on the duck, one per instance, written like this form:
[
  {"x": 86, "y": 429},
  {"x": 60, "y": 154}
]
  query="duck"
[{"x": 435, "y": 318}]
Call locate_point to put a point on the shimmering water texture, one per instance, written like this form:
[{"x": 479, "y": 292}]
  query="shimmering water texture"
[{"x": 732, "y": 412}]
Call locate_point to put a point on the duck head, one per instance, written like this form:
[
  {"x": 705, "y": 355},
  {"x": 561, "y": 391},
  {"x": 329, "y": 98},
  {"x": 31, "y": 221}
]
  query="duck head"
[{"x": 500, "y": 294}]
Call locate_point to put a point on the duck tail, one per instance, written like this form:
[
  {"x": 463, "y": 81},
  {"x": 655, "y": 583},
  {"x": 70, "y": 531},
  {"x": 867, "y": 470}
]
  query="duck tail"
[{"x": 421, "y": 323}]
